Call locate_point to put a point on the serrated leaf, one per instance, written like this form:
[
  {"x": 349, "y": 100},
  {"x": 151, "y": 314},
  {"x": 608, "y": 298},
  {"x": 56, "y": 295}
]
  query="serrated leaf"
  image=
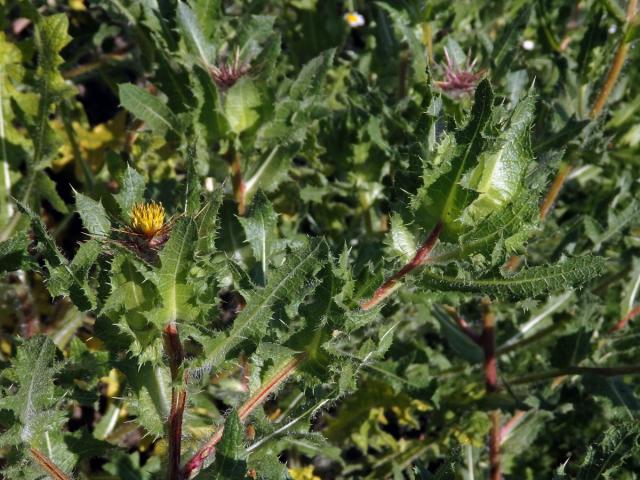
[
  {"x": 46, "y": 189},
  {"x": 402, "y": 241},
  {"x": 229, "y": 463},
  {"x": 170, "y": 278},
  {"x": 529, "y": 282},
  {"x": 148, "y": 108},
  {"x": 132, "y": 188},
  {"x": 260, "y": 228},
  {"x": 13, "y": 253},
  {"x": 240, "y": 105},
  {"x": 444, "y": 199},
  {"x": 286, "y": 282},
  {"x": 192, "y": 34},
  {"x": 94, "y": 216},
  {"x": 33, "y": 371},
  {"x": 499, "y": 175},
  {"x": 512, "y": 223},
  {"x": 605, "y": 458}
]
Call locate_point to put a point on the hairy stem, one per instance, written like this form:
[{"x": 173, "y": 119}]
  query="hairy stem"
[
  {"x": 48, "y": 466},
  {"x": 173, "y": 349},
  {"x": 418, "y": 260},
  {"x": 616, "y": 66},
  {"x": 192, "y": 467},
  {"x": 488, "y": 340}
]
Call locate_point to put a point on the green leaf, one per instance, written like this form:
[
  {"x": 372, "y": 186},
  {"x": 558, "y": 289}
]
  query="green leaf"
[
  {"x": 604, "y": 459},
  {"x": 14, "y": 254},
  {"x": 33, "y": 371},
  {"x": 148, "y": 108},
  {"x": 499, "y": 175},
  {"x": 286, "y": 282},
  {"x": 94, "y": 216},
  {"x": 260, "y": 228},
  {"x": 192, "y": 34},
  {"x": 174, "y": 290},
  {"x": 132, "y": 188},
  {"x": 401, "y": 240},
  {"x": 512, "y": 224},
  {"x": 444, "y": 199},
  {"x": 229, "y": 463},
  {"x": 208, "y": 223},
  {"x": 529, "y": 282},
  {"x": 46, "y": 189},
  {"x": 240, "y": 105}
]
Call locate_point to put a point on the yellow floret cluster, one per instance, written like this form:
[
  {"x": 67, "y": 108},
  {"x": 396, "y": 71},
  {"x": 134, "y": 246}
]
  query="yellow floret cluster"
[{"x": 147, "y": 218}]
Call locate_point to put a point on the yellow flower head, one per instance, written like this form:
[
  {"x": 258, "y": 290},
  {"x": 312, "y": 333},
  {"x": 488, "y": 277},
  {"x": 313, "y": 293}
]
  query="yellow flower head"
[{"x": 147, "y": 218}]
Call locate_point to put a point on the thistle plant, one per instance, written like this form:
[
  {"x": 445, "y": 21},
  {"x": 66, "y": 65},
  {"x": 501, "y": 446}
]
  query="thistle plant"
[{"x": 317, "y": 259}]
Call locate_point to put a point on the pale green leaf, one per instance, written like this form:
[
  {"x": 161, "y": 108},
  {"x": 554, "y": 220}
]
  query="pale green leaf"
[
  {"x": 94, "y": 216},
  {"x": 528, "y": 282},
  {"x": 148, "y": 108}
]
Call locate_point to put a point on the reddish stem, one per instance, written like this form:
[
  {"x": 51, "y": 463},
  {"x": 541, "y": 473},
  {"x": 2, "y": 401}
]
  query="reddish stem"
[
  {"x": 239, "y": 187},
  {"x": 624, "y": 321},
  {"x": 494, "y": 446},
  {"x": 554, "y": 190},
  {"x": 47, "y": 465},
  {"x": 616, "y": 66},
  {"x": 464, "y": 326},
  {"x": 173, "y": 348},
  {"x": 192, "y": 467},
  {"x": 418, "y": 260},
  {"x": 488, "y": 339},
  {"x": 511, "y": 424}
]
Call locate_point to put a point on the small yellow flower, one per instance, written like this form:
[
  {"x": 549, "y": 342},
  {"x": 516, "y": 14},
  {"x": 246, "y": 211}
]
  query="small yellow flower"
[
  {"x": 303, "y": 473},
  {"x": 354, "y": 19},
  {"x": 147, "y": 219}
]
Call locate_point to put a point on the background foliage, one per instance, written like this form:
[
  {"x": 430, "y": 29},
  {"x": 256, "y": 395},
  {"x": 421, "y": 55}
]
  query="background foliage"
[{"x": 480, "y": 157}]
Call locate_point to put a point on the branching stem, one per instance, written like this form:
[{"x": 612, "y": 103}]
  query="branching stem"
[{"x": 192, "y": 467}]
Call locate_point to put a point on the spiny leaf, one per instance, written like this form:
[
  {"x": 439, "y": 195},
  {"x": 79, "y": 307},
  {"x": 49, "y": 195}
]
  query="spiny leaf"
[
  {"x": 174, "y": 290},
  {"x": 131, "y": 191},
  {"x": 240, "y": 105},
  {"x": 193, "y": 36},
  {"x": 33, "y": 371},
  {"x": 499, "y": 175},
  {"x": 605, "y": 458},
  {"x": 445, "y": 199},
  {"x": 529, "y": 282},
  {"x": 229, "y": 462},
  {"x": 512, "y": 223},
  {"x": 94, "y": 216},
  {"x": 260, "y": 229},
  {"x": 286, "y": 282},
  {"x": 148, "y": 108}
]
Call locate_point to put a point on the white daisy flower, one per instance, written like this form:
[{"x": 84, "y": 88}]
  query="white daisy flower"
[{"x": 354, "y": 19}]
